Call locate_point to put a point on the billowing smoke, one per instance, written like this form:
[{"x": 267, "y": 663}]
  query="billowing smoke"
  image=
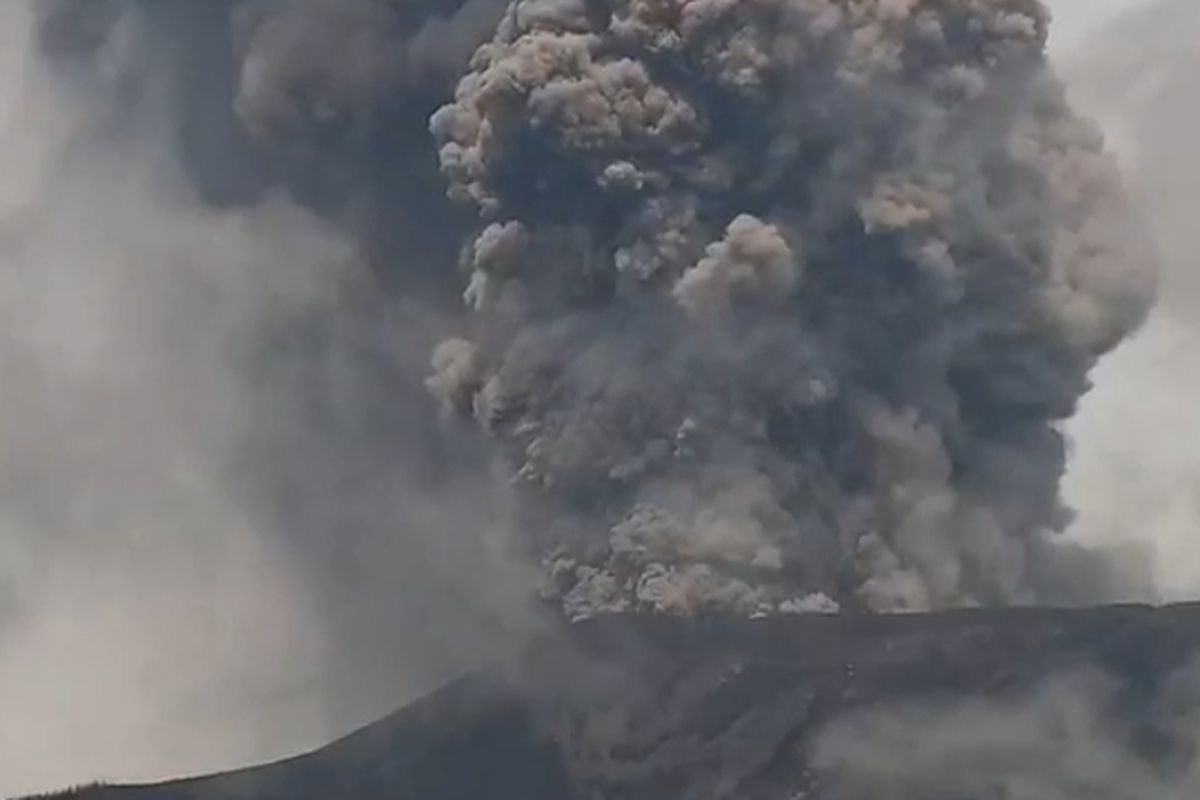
[
  {"x": 772, "y": 306},
  {"x": 779, "y": 304}
]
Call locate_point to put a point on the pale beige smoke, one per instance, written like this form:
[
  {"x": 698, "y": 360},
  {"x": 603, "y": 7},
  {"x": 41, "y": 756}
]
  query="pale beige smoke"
[{"x": 752, "y": 262}]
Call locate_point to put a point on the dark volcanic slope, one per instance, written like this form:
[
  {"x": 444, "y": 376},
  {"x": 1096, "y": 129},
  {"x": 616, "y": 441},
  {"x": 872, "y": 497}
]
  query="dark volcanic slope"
[{"x": 669, "y": 708}]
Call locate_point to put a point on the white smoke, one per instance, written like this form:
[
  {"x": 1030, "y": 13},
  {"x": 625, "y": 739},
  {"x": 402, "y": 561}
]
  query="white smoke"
[
  {"x": 134, "y": 595},
  {"x": 155, "y": 620},
  {"x": 1135, "y": 473}
]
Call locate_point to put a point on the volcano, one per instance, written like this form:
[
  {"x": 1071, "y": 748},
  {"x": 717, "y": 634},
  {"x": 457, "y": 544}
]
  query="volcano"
[{"x": 654, "y": 707}]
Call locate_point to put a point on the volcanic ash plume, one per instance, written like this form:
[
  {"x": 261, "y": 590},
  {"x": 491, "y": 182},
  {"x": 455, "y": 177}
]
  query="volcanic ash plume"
[{"x": 778, "y": 304}]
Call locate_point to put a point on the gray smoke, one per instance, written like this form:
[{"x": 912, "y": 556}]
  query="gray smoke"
[{"x": 780, "y": 305}]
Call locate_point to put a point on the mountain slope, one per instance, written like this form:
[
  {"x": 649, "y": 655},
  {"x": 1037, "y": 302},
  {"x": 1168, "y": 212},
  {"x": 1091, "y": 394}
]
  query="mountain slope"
[{"x": 656, "y": 707}]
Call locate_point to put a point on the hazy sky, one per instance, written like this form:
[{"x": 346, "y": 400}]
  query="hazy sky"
[{"x": 1073, "y": 18}]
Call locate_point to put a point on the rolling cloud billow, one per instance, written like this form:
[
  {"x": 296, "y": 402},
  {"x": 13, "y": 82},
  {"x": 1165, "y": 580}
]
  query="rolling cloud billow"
[{"x": 778, "y": 305}]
